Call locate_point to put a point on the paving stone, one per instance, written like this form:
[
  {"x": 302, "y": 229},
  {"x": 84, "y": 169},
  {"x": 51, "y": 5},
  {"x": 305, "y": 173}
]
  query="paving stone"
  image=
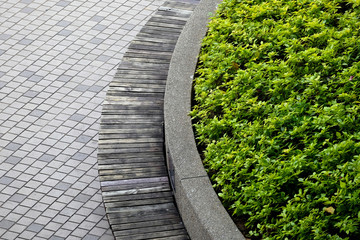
[
  {"x": 6, "y": 180},
  {"x": 47, "y": 157},
  {"x": 13, "y": 146},
  {"x": 34, "y": 227},
  {"x": 6, "y": 224},
  {"x": 17, "y": 197}
]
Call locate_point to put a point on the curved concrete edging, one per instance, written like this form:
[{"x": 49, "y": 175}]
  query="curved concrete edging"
[{"x": 201, "y": 210}]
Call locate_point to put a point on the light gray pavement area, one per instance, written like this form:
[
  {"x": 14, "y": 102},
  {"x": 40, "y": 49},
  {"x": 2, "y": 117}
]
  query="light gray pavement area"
[{"x": 56, "y": 59}]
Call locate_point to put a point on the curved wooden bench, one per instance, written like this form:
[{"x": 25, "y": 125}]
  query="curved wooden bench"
[{"x": 138, "y": 199}]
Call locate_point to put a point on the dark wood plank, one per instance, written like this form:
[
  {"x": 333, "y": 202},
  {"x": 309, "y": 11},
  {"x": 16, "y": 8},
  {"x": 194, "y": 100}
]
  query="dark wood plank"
[
  {"x": 161, "y": 234},
  {"x": 134, "y": 191},
  {"x": 136, "y": 197},
  {"x": 179, "y": 5},
  {"x": 140, "y": 202},
  {"x": 162, "y": 19},
  {"x": 115, "y": 219},
  {"x": 152, "y": 229},
  {"x": 146, "y": 224}
]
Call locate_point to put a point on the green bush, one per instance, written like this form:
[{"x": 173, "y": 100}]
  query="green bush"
[{"x": 277, "y": 111}]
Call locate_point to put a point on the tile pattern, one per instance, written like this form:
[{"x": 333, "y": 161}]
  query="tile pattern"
[{"x": 56, "y": 59}]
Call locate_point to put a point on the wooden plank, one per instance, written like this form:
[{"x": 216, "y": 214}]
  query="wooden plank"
[
  {"x": 161, "y": 234},
  {"x": 135, "y": 191},
  {"x": 150, "y": 54},
  {"x": 166, "y": 12},
  {"x": 157, "y": 145},
  {"x": 140, "y": 202},
  {"x": 142, "y": 210},
  {"x": 160, "y": 222},
  {"x": 139, "y": 94},
  {"x": 133, "y": 176},
  {"x": 154, "y": 41},
  {"x": 115, "y": 219},
  {"x": 177, "y": 237},
  {"x": 139, "y": 66},
  {"x": 130, "y": 99},
  {"x": 162, "y": 19},
  {"x": 130, "y": 166},
  {"x": 152, "y": 229},
  {"x": 133, "y": 108},
  {"x": 179, "y": 5},
  {"x": 141, "y": 59},
  {"x": 129, "y": 125},
  {"x": 138, "y": 196},
  {"x": 132, "y": 156},
  {"x": 131, "y": 80},
  {"x": 139, "y": 77},
  {"x": 135, "y": 181},
  {"x": 116, "y": 85},
  {"x": 128, "y": 89},
  {"x": 164, "y": 24},
  {"x": 129, "y": 187},
  {"x": 108, "y": 160},
  {"x": 160, "y": 31},
  {"x": 131, "y": 140},
  {"x": 134, "y": 170},
  {"x": 129, "y": 150},
  {"x": 158, "y": 36},
  {"x": 155, "y": 72}
]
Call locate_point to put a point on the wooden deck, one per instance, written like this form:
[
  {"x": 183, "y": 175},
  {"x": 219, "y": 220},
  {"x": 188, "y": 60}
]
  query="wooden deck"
[{"x": 136, "y": 191}]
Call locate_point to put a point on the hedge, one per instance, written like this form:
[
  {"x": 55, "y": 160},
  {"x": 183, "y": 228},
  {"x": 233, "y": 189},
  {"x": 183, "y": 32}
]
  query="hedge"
[{"x": 277, "y": 103}]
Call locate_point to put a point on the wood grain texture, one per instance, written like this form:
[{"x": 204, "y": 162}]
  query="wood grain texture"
[{"x": 135, "y": 186}]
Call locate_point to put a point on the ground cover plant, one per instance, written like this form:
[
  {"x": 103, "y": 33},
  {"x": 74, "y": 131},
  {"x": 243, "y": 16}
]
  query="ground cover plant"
[{"x": 277, "y": 103}]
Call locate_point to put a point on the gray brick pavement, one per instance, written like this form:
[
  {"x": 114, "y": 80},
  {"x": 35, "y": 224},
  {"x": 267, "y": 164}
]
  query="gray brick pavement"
[{"x": 56, "y": 60}]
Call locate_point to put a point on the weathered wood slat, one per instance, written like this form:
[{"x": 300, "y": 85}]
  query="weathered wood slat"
[
  {"x": 135, "y": 184},
  {"x": 115, "y": 219},
  {"x": 131, "y": 99},
  {"x": 165, "y": 24},
  {"x": 142, "y": 59},
  {"x": 132, "y": 80},
  {"x": 128, "y": 187},
  {"x": 129, "y": 150},
  {"x": 134, "y": 170},
  {"x": 141, "y": 202},
  {"x": 107, "y": 159},
  {"x": 151, "y": 229},
  {"x": 146, "y": 224},
  {"x": 135, "y": 197},
  {"x": 162, "y": 19},
  {"x": 155, "y": 72},
  {"x": 152, "y": 145},
  {"x": 139, "y": 66},
  {"x": 135, "y": 191},
  {"x": 136, "y": 175},
  {"x": 161, "y": 234},
  {"x": 118, "y": 85},
  {"x": 177, "y": 237},
  {"x": 103, "y": 143},
  {"x": 122, "y": 156},
  {"x": 160, "y": 37},
  {"x": 179, "y": 5},
  {"x": 148, "y": 54},
  {"x": 129, "y": 124},
  {"x": 153, "y": 110}
]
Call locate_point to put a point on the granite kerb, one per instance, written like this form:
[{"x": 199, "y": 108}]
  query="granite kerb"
[{"x": 201, "y": 210}]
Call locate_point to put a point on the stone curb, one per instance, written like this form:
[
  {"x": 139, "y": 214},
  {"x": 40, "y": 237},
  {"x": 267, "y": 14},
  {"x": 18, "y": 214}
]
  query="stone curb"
[{"x": 201, "y": 210}]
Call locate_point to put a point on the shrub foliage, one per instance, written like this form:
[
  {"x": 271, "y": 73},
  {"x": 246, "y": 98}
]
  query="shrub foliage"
[{"x": 277, "y": 110}]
